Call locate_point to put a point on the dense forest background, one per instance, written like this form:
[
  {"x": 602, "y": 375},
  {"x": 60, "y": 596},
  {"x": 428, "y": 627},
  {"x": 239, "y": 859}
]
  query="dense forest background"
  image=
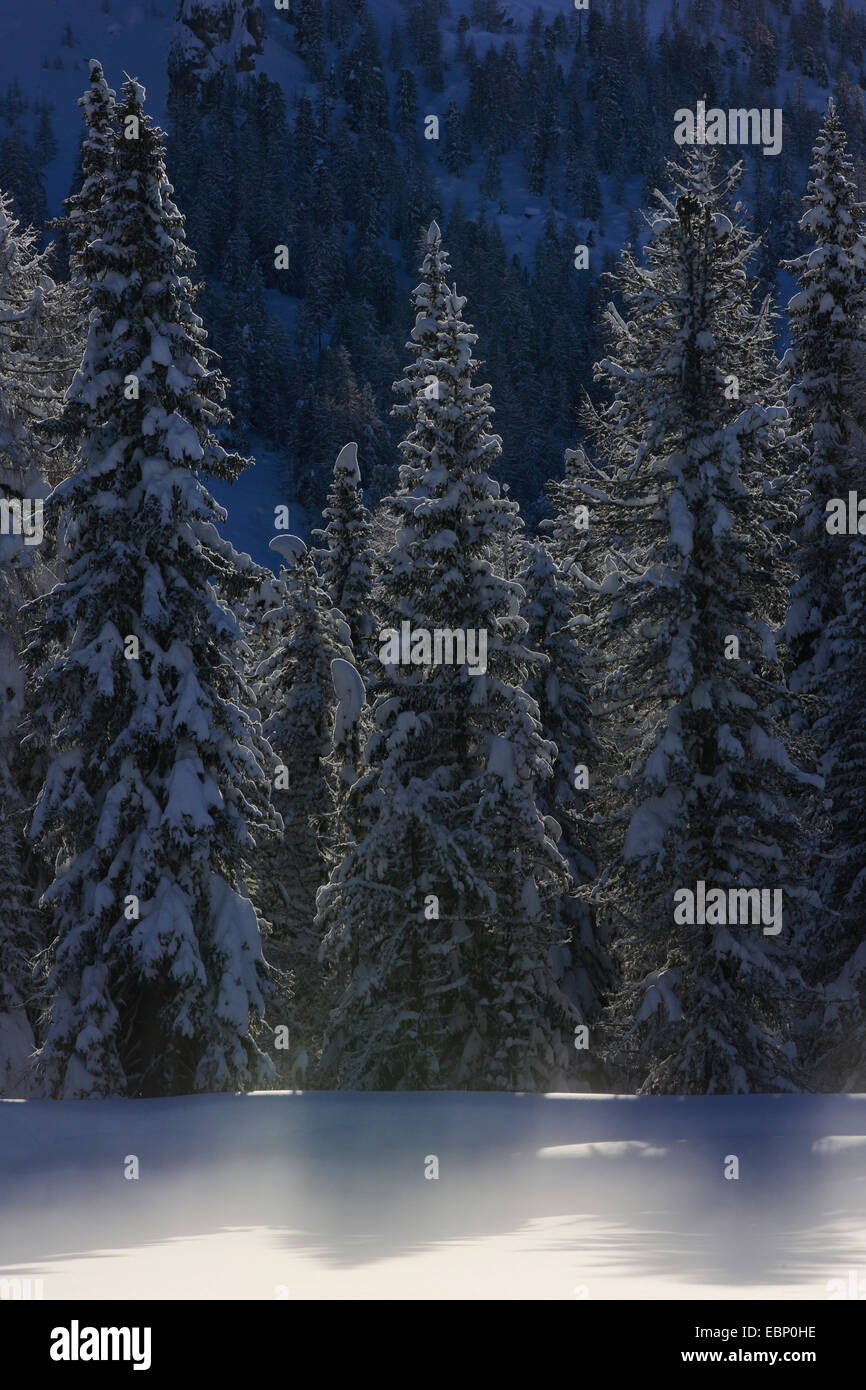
[
  {"x": 304, "y": 126},
  {"x": 257, "y": 831}
]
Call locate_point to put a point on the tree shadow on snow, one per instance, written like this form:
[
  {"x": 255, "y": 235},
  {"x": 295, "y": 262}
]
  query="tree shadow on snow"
[{"x": 629, "y": 1185}]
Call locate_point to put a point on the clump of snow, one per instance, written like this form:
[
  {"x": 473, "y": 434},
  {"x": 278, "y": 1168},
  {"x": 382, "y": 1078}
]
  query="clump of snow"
[
  {"x": 291, "y": 548},
  {"x": 650, "y": 824},
  {"x": 350, "y": 692},
  {"x": 347, "y": 462},
  {"x": 500, "y": 760},
  {"x": 682, "y": 526}
]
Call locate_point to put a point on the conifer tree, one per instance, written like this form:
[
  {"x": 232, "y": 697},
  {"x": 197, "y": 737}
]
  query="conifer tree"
[
  {"x": 568, "y": 529},
  {"x": 690, "y": 495},
  {"x": 825, "y": 365},
  {"x": 559, "y": 685},
  {"x": 45, "y": 141},
  {"x": 440, "y": 915},
  {"x": 82, "y": 225},
  {"x": 490, "y": 184},
  {"x": 26, "y": 292},
  {"x": 345, "y": 560},
  {"x": 159, "y": 775},
  {"x": 38, "y": 340},
  {"x": 22, "y": 175},
  {"x": 406, "y": 109},
  {"x": 838, "y": 941},
  {"x": 309, "y": 30},
  {"x": 302, "y": 634},
  {"x": 456, "y": 146}
]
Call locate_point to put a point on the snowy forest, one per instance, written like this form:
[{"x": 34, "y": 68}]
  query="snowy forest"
[{"x": 432, "y": 564}]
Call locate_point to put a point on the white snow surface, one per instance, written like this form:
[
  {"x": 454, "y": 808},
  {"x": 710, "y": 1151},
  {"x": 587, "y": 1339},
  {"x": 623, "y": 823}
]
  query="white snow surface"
[{"x": 323, "y": 1195}]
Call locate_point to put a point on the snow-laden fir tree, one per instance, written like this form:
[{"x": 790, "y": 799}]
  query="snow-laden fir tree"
[
  {"x": 345, "y": 559},
  {"x": 40, "y": 347},
  {"x": 82, "y": 223},
  {"x": 572, "y": 541},
  {"x": 568, "y": 528},
  {"x": 839, "y": 1047},
  {"x": 37, "y": 339},
  {"x": 302, "y": 634},
  {"x": 691, "y": 494},
  {"x": 826, "y": 369},
  {"x": 159, "y": 775},
  {"x": 21, "y": 569},
  {"x": 441, "y": 913},
  {"x": 559, "y": 684},
  {"x": 20, "y": 936}
]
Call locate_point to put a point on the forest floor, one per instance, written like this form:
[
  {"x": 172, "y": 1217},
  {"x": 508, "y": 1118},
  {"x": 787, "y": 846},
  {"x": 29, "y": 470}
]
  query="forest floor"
[{"x": 324, "y": 1195}]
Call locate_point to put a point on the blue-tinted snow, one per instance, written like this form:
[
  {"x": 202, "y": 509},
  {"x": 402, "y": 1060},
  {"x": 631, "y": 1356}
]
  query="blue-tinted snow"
[{"x": 323, "y": 1195}]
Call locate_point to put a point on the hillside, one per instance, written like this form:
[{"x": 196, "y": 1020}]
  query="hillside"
[{"x": 553, "y": 128}]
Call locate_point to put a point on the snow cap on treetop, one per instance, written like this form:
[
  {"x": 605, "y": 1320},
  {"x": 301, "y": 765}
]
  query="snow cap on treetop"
[
  {"x": 347, "y": 461},
  {"x": 433, "y": 232},
  {"x": 134, "y": 88},
  {"x": 98, "y": 87},
  {"x": 291, "y": 548},
  {"x": 350, "y": 692}
]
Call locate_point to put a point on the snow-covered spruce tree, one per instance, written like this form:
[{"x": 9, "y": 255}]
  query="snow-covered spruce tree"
[
  {"x": 159, "y": 774},
  {"x": 82, "y": 223},
  {"x": 825, "y": 366},
  {"x": 568, "y": 528},
  {"x": 20, "y": 567},
  {"x": 20, "y": 936},
  {"x": 441, "y": 912},
  {"x": 36, "y": 339},
  {"x": 839, "y": 1048},
  {"x": 345, "y": 559},
  {"x": 302, "y": 634},
  {"x": 690, "y": 495},
  {"x": 40, "y": 343},
  {"x": 559, "y": 684}
]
